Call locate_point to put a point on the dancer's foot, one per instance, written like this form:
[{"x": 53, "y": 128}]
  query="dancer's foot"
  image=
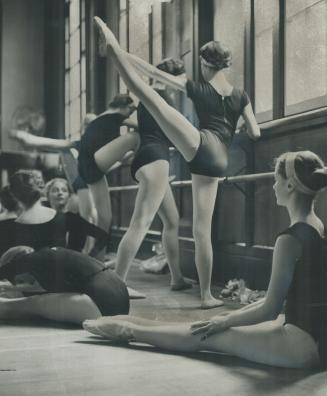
[
  {"x": 110, "y": 328},
  {"x": 134, "y": 294},
  {"x": 106, "y": 35},
  {"x": 182, "y": 284},
  {"x": 211, "y": 302}
]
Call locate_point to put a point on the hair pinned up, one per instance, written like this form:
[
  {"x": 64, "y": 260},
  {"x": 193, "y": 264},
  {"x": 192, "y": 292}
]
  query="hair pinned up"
[
  {"x": 8, "y": 201},
  {"x": 172, "y": 66},
  {"x": 216, "y": 55},
  {"x": 23, "y": 186},
  {"x": 120, "y": 100}
]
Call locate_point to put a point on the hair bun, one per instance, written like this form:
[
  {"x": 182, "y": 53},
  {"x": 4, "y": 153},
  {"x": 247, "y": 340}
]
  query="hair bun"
[
  {"x": 319, "y": 177},
  {"x": 172, "y": 66}
]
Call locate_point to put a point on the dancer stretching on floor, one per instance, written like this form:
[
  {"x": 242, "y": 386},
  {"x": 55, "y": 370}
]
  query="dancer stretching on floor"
[
  {"x": 77, "y": 286},
  {"x": 150, "y": 168},
  {"x": 298, "y": 276},
  {"x": 219, "y": 107}
]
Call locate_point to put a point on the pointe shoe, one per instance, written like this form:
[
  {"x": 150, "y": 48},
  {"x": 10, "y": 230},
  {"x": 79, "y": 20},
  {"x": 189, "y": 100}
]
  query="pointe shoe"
[
  {"x": 134, "y": 294},
  {"x": 110, "y": 329}
]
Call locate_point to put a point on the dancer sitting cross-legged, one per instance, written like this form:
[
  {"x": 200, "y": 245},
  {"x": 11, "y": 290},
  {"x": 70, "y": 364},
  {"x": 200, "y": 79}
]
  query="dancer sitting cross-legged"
[
  {"x": 219, "y": 106},
  {"x": 150, "y": 168},
  {"x": 298, "y": 276}
]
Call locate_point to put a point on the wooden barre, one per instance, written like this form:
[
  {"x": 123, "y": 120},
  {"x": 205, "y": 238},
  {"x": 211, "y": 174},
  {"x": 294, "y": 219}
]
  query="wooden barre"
[{"x": 228, "y": 180}]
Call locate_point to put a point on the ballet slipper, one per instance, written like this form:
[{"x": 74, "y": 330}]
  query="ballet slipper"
[
  {"x": 134, "y": 294},
  {"x": 110, "y": 328}
]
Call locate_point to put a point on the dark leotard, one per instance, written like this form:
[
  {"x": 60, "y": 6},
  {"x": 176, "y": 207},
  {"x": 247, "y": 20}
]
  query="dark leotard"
[
  {"x": 306, "y": 303},
  {"x": 7, "y": 234},
  {"x": 54, "y": 233},
  {"x": 70, "y": 166},
  {"x": 218, "y": 116},
  {"x": 99, "y": 132},
  {"x": 154, "y": 144},
  {"x": 60, "y": 270}
]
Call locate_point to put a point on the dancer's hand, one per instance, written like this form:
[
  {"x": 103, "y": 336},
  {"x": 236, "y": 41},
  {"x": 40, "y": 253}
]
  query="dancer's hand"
[
  {"x": 209, "y": 327},
  {"x": 106, "y": 36}
]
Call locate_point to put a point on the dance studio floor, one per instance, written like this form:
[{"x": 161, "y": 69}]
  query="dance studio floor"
[{"x": 49, "y": 360}]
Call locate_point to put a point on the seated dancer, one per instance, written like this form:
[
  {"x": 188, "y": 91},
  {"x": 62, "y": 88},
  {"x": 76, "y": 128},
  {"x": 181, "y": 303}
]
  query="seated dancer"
[
  {"x": 38, "y": 226},
  {"x": 298, "y": 276},
  {"x": 150, "y": 168},
  {"x": 69, "y": 162},
  {"x": 77, "y": 286},
  {"x": 7, "y": 218},
  {"x": 219, "y": 106},
  {"x": 58, "y": 194},
  {"x": 101, "y": 147}
]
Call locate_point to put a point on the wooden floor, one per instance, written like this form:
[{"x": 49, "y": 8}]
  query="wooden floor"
[{"x": 50, "y": 360}]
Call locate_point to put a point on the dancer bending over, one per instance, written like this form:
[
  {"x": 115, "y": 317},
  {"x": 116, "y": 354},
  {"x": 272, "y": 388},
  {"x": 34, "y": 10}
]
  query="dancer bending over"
[
  {"x": 219, "y": 106},
  {"x": 298, "y": 276},
  {"x": 150, "y": 168},
  {"x": 78, "y": 287}
]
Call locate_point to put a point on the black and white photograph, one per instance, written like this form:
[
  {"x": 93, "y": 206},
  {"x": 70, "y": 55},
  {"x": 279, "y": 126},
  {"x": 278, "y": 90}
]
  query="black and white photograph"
[{"x": 163, "y": 197}]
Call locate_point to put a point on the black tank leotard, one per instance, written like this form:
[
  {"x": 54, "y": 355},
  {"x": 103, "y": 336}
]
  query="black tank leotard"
[
  {"x": 306, "y": 302},
  {"x": 7, "y": 234},
  {"x": 70, "y": 167},
  {"x": 98, "y": 133},
  {"x": 60, "y": 270},
  {"x": 218, "y": 118},
  {"x": 64, "y": 230},
  {"x": 154, "y": 145}
]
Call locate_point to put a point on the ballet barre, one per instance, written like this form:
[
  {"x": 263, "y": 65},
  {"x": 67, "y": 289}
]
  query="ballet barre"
[{"x": 224, "y": 180}]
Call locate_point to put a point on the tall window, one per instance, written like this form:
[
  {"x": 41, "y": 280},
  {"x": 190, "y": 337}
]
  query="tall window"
[
  {"x": 75, "y": 67},
  {"x": 305, "y": 55}
]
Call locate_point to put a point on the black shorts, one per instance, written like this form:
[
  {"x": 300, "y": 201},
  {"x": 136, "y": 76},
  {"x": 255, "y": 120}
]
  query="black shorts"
[
  {"x": 108, "y": 292},
  {"x": 211, "y": 156},
  {"x": 147, "y": 154},
  {"x": 88, "y": 169}
]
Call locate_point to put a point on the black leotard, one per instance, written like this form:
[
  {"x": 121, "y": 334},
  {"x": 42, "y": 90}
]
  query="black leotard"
[
  {"x": 70, "y": 166},
  {"x": 99, "y": 132},
  {"x": 7, "y": 234},
  {"x": 60, "y": 270},
  {"x": 306, "y": 303},
  {"x": 218, "y": 116},
  {"x": 54, "y": 233},
  {"x": 154, "y": 145}
]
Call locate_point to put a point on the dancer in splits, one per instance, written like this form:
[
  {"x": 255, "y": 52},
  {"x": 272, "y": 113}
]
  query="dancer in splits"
[
  {"x": 150, "y": 168},
  {"x": 298, "y": 276},
  {"x": 219, "y": 106}
]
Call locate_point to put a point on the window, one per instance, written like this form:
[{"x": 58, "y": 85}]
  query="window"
[
  {"x": 305, "y": 55},
  {"x": 75, "y": 68}
]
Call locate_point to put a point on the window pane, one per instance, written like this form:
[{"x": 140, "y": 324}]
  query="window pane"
[
  {"x": 74, "y": 48},
  {"x": 75, "y": 116},
  {"x": 139, "y": 27},
  {"x": 306, "y": 51},
  {"x": 74, "y": 15},
  {"x": 265, "y": 16},
  {"x": 83, "y": 73},
  {"x": 75, "y": 86},
  {"x": 231, "y": 34}
]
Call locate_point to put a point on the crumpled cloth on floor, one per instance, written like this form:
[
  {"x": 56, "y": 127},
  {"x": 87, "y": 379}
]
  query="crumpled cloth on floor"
[{"x": 236, "y": 290}]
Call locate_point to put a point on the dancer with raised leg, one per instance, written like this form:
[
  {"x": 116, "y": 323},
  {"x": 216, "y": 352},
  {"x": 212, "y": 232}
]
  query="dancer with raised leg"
[
  {"x": 219, "y": 106},
  {"x": 298, "y": 278}
]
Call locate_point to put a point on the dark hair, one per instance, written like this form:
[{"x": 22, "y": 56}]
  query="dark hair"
[
  {"x": 216, "y": 54},
  {"x": 309, "y": 169},
  {"x": 14, "y": 253},
  {"x": 172, "y": 66},
  {"x": 120, "y": 100},
  {"x": 8, "y": 201},
  {"x": 23, "y": 186}
]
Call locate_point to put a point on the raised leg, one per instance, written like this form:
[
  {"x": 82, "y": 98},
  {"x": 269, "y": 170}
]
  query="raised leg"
[
  {"x": 102, "y": 202},
  {"x": 204, "y": 191},
  {"x": 153, "y": 179},
  {"x": 112, "y": 152},
  {"x": 178, "y": 129},
  {"x": 168, "y": 214},
  {"x": 268, "y": 343},
  {"x": 60, "y": 307}
]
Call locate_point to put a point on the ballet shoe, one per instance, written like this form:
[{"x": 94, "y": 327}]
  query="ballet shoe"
[
  {"x": 110, "y": 329},
  {"x": 134, "y": 294}
]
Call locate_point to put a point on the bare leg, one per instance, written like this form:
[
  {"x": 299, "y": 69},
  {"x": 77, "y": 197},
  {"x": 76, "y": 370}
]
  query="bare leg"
[
  {"x": 204, "y": 196},
  {"x": 60, "y": 307},
  {"x": 88, "y": 212},
  {"x": 168, "y": 214},
  {"x": 268, "y": 343},
  {"x": 153, "y": 180},
  {"x": 178, "y": 129},
  {"x": 112, "y": 152},
  {"x": 102, "y": 202}
]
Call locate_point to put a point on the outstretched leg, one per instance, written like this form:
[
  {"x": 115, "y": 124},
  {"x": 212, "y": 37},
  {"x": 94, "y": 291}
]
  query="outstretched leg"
[
  {"x": 153, "y": 180},
  {"x": 268, "y": 343},
  {"x": 168, "y": 214},
  {"x": 102, "y": 203},
  {"x": 178, "y": 129},
  {"x": 204, "y": 196},
  {"x": 60, "y": 307}
]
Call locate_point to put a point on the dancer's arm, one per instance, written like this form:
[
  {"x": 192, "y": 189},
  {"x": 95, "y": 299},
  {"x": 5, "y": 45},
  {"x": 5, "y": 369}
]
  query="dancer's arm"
[
  {"x": 175, "y": 82},
  {"x": 252, "y": 127},
  {"x": 40, "y": 142},
  {"x": 286, "y": 253}
]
